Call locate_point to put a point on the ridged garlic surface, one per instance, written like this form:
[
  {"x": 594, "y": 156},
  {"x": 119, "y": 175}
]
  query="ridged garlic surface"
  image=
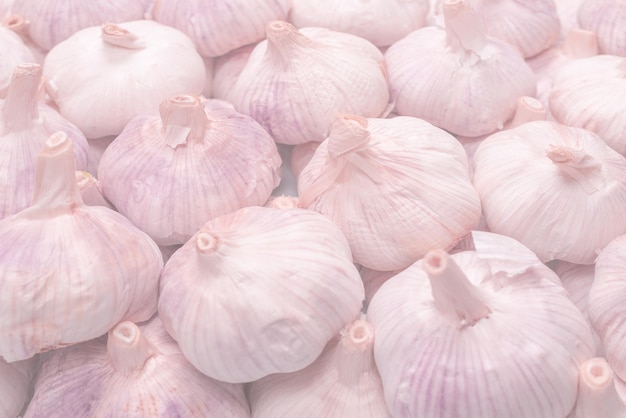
[
  {"x": 192, "y": 160},
  {"x": 122, "y": 71},
  {"x": 558, "y": 190},
  {"x": 69, "y": 272},
  {"x": 259, "y": 291},
  {"x": 15, "y": 380},
  {"x": 342, "y": 382},
  {"x": 53, "y": 21},
  {"x": 381, "y": 22},
  {"x": 297, "y": 81},
  {"x": 226, "y": 70},
  {"x": 487, "y": 334},
  {"x": 457, "y": 78},
  {"x": 597, "y": 394},
  {"x": 13, "y": 52},
  {"x": 587, "y": 93},
  {"x": 138, "y": 371},
  {"x": 25, "y": 126},
  {"x": 607, "y": 18},
  {"x": 217, "y": 27},
  {"x": 396, "y": 187}
]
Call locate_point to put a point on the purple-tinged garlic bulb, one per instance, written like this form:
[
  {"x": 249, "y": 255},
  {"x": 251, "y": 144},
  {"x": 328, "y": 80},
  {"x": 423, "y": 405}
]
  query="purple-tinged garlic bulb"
[
  {"x": 396, "y": 187},
  {"x": 607, "y": 18},
  {"x": 174, "y": 169},
  {"x": 457, "y": 78},
  {"x": 556, "y": 189},
  {"x": 488, "y": 333},
  {"x": 259, "y": 291},
  {"x": 69, "y": 272},
  {"x": 139, "y": 371},
  {"x": 342, "y": 382},
  {"x": 597, "y": 395},
  {"x": 15, "y": 382},
  {"x": 25, "y": 126},
  {"x": 121, "y": 72},
  {"x": 297, "y": 81}
]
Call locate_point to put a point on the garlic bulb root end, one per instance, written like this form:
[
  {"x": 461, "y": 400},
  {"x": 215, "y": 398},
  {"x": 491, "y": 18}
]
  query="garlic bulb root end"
[
  {"x": 128, "y": 349},
  {"x": 118, "y": 36},
  {"x": 206, "y": 243}
]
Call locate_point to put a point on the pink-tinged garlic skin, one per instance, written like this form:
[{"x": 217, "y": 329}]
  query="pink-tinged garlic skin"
[
  {"x": 171, "y": 171},
  {"x": 606, "y": 303},
  {"x": 217, "y": 27},
  {"x": 123, "y": 71},
  {"x": 568, "y": 11},
  {"x": 381, "y": 22},
  {"x": 373, "y": 280},
  {"x": 53, "y": 21},
  {"x": 15, "y": 379},
  {"x": 282, "y": 202},
  {"x": 227, "y": 68},
  {"x": 96, "y": 149},
  {"x": 597, "y": 394},
  {"x": 297, "y": 81},
  {"x": 137, "y": 371},
  {"x": 586, "y": 93},
  {"x": 69, "y": 272},
  {"x": 388, "y": 190},
  {"x": 18, "y": 24},
  {"x": 25, "y": 125},
  {"x": 259, "y": 291},
  {"x": 437, "y": 324},
  {"x": 342, "y": 382},
  {"x": 13, "y": 52},
  {"x": 301, "y": 155},
  {"x": 558, "y": 190},
  {"x": 607, "y": 18},
  {"x": 457, "y": 78},
  {"x": 91, "y": 191}
]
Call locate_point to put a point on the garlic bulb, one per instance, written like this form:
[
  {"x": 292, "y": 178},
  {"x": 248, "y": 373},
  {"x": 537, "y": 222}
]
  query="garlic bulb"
[
  {"x": 457, "y": 79},
  {"x": 91, "y": 191},
  {"x": 342, "y": 382},
  {"x": 437, "y": 324},
  {"x": 13, "y": 52},
  {"x": 259, "y": 291},
  {"x": 546, "y": 185},
  {"x": 607, "y": 18},
  {"x": 217, "y": 28},
  {"x": 396, "y": 187},
  {"x": 19, "y": 25},
  {"x": 122, "y": 71},
  {"x": 296, "y": 81},
  {"x": 586, "y": 93},
  {"x": 14, "y": 386},
  {"x": 69, "y": 272},
  {"x": 137, "y": 371},
  {"x": 25, "y": 125},
  {"x": 597, "y": 396},
  {"x": 172, "y": 170},
  {"x": 381, "y": 22},
  {"x": 226, "y": 70},
  {"x": 301, "y": 155},
  {"x": 282, "y": 202}
]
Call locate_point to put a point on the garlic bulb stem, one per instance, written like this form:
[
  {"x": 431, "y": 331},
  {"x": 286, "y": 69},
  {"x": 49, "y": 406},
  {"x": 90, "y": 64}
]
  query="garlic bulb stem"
[
  {"x": 528, "y": 109},
  {"x": 581, "y": 43},
  {"x": 452, "y": 291},
  {"x": 17, "y": 23},
  {"x": 578, "y": 165},
  {"x": 20, "y": 106},
  {"x": 183, "y": 118},
  {"x": 349, "y": 133},
  {"x": 463, "y": 26},
  {"x": 128, "y": 349},
  {"x": 118, "y": 36},
  {"x": 355, "y": 352},
  {"x": 597, "y": 395},
  {"x": 55, "y": 181},
  {"x": 283, "y": 39},
  {"x": 284, "y": 202}
]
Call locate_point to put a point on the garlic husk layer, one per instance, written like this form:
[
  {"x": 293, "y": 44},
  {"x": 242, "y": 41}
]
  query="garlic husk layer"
[
  {"x": 342, "y": 382},
  {"x": 174, "y": 169},
  {"x": 69, "y": 272},
  {"x": 478, "y": 335},
  {"x": 597, "y": 394},
  {"x": 457, "y": 78},
  {"x": 607, "y": 18},
  {"x": 259, "y": 291},
  {"x": 387, "y": 184},
  {"x": 558, "y": 190},
  {"x": 381, "y": 22},
  {"x": 297, "y": 81},
  {"x": 138, "y": 370},
  {"x": 122, "y": 71},
  {"x": 15, "y": 380},
  {"x": 13, "y": 52}
]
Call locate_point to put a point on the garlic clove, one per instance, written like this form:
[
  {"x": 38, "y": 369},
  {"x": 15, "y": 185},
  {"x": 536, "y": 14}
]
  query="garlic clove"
[{"x": 597, "y": 395}]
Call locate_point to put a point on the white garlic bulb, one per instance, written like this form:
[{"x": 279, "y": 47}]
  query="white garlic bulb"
[
  {"x": 607, "y": 18},
  {"x": 13, "y": 52},
  {"x": 259, "y": 291}
]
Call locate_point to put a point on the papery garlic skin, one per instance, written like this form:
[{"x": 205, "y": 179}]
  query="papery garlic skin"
[
  {"x": 15, "y": 381},
  {"x": 137, "y": 371},
  {"x": 216, "y": 28},
  {"x": 597, "y": 395},
  {"x": 226, "y": 70},
  {"x": 435, "y": 338},
  {"x": 13, "y": 52},
  {"x": 457, "y": 78},
  {"x": 342, "y": 382},
  {"x": 547, "y": 185},
  {"x": 297, "y": 81},
  {"x": 381, "y": 22},
  {"x": 69, "y": 272},
  {"x": 264, "y": 290},
  {"x": 48, "y": 22},
  {"x": 607, "y": 18},
  {"x": 140, "y": 74},
  {"x": 91, "y": 191},
  {"x": 172, "y": 170},
  {"x": 18, "y": 24}
]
